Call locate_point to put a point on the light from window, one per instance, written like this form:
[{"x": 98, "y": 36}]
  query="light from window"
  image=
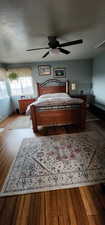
[
  {"x": 22, "y": 86},
  {"x": 3, "y": 89}
]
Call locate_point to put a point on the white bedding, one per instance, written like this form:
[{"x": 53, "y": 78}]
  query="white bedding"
[
  {"x": 53, "y": 97},
  {"x": 57, "y": 99}
]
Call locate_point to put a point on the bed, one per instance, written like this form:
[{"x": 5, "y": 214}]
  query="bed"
[{"x": 54, "y": 106}]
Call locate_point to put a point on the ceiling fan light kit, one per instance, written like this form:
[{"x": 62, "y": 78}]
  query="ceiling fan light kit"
[
  {"x": 55, "y": 51},
  {"x": 55, "y": 48}
]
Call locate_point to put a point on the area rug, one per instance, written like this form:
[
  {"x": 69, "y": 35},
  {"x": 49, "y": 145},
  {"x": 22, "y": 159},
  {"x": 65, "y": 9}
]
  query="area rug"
[
  {"x": 20, "y": 123},
  {"x": 2, "y": 129},
  {"x": 57, "y": 162}
]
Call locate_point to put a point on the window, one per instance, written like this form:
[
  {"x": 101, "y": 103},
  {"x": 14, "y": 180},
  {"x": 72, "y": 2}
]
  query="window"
[
  {"x": 22, "y": 86},
  {"x": 3, "y": 89}
]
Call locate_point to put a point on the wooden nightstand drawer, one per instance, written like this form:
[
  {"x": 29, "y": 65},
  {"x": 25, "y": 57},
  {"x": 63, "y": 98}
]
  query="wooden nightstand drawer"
[{"x": 23, "y": 103}]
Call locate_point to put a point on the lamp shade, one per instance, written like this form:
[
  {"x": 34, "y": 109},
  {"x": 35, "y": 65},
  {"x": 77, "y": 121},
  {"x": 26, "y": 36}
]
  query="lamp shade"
[{"x": 73, "y": 86}]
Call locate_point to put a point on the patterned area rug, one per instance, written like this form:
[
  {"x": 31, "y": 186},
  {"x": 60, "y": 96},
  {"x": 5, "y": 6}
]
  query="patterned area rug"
[{"x": 56, "y": 162}]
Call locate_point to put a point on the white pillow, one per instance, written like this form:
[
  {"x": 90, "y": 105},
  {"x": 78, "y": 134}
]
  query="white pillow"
[{"x": 54, "y": 95}]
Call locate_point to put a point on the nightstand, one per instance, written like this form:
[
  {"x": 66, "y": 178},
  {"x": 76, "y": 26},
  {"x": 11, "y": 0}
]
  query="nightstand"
[
  {"x": 84, "y": 97},
  {"x": 23, "y": 103}
]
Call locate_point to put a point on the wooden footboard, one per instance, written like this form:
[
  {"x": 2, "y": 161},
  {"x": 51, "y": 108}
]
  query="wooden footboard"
[{"x": 58, "y": 117}]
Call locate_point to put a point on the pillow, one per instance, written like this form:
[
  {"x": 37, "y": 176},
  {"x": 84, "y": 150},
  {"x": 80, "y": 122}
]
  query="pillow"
[{"x": 54, "y": 95}]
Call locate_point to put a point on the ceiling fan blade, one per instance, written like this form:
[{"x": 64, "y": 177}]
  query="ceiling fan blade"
[
  {"x": 71, "y": 43},
  {"x": 47, "y": 53},
  {"x": 64, "y": 51},
  {"x": 33, "y": 49}
]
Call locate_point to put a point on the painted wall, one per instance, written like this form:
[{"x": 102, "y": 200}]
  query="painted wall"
[
  {"x": 6, "y": 105},
  {"x": 79, "y": 71},
  {"x": 98, "y": 80}
]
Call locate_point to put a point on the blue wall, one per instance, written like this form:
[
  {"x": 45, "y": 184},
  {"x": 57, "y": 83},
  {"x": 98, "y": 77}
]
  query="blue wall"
[
  {"x": 5, "y": 107},
  {"x": 79, "y": 71},
  {"x": 98, "y": 80}
]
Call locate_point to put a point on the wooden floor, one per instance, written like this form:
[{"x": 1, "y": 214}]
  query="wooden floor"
[{"x": 77, "y": 206}]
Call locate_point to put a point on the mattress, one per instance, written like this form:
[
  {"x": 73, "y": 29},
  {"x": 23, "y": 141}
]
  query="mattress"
[{"x": 55, "y": 101}]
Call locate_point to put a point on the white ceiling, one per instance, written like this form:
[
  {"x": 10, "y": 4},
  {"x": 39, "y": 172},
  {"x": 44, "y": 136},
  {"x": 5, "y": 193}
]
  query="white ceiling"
[{"x": 26, "y": 24}]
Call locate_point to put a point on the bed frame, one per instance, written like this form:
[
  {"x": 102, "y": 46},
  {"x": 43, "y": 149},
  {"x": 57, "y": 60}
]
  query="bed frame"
[{"x": 56, "y": 117}]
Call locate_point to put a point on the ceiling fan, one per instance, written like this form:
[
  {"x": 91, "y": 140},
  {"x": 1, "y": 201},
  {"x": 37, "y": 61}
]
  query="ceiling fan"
[{"x": 54, "y": 44}]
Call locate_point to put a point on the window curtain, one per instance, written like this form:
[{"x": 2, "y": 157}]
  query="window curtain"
[
  {"x": 23, "y": 86},
  {"x": 20, "y": 71},
  {"x": 2, "y": 74},
  {"x": 3, "y": 87}
]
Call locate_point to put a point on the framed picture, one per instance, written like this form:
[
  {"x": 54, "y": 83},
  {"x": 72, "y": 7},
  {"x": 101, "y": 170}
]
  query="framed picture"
[
  {"x": 44, "y": 70},
  {"x": 59, "y": 72}
]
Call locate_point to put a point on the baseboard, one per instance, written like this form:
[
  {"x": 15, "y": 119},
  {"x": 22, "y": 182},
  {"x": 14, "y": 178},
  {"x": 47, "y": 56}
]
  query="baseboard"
[
  {"x": 99, "y": 112},
  {"x": 5, "y": 117}
]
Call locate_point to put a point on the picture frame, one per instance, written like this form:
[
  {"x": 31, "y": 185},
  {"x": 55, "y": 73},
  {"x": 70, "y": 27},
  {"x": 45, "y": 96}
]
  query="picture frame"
[
  {"x": 59, "y": 72},
  {"x": 44, "y": 70}
]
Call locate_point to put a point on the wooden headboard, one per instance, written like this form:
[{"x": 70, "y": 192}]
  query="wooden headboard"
[{"x": 52, "y": 86}]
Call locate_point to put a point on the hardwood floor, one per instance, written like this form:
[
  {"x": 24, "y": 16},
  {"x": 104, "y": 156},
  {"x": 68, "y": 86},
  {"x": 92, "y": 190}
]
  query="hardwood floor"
[{"x": 77, "y": 206}]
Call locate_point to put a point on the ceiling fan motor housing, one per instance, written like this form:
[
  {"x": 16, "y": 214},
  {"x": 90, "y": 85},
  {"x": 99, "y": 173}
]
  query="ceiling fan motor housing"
[{"x": 53, "y": 43}]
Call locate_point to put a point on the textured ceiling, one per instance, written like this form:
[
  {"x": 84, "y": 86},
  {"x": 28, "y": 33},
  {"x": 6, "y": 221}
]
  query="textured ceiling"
[{"x": 26, "y": 24}]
